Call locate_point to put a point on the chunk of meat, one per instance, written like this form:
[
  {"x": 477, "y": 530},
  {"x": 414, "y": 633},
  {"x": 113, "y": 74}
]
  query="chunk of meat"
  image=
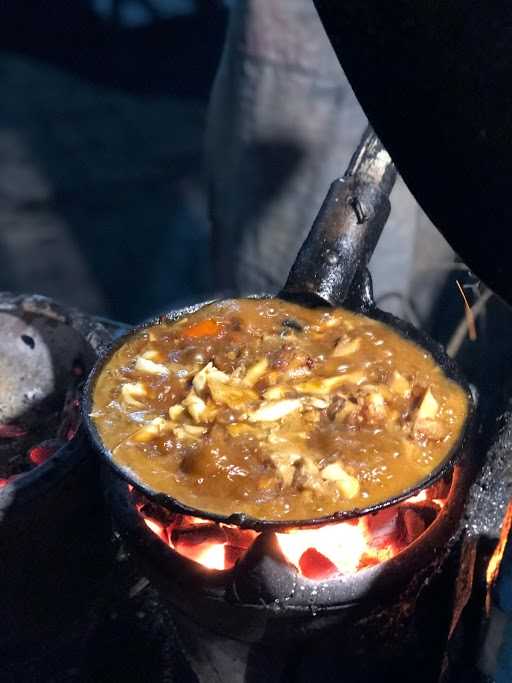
[
  {"x": 209, "y": 371},
  {"x": 324, "y": 385},
  {"x": 255, "y": 372},
  {"x": 150, "y": 367},
  {"x": 284, "y": 462},
  {"x": 176, "y": 411},
  {"x": 270, "y": 411},
  {"x": 426, "y": 422},
  {"x": 186, "y": 432},
  {"x": 374, "y": 406},
  {"x": 346, "y": 346},
  {"x": 153, "y": 430},
  {"x": 399, "y": 385},
  {"x": 195, "y": 406},
  {"x": 132, "y": 392},
  {"x": 346, "y": 483},
  {"x": 235, "y": 397}
]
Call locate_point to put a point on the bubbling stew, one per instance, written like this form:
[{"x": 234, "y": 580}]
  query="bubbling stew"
[{"x": 281, "y": 412}]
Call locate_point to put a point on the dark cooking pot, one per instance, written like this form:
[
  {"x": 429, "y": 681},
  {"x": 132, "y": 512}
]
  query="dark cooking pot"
[{"x": 330, "y": 269}]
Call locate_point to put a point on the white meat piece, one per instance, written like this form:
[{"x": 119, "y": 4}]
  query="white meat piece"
[
  {"x": 425, "y": 422},
  {"x": 154, "y": 429},
  {"x": 270, "y": 411},
  {"x": 176, "y": 411},
  {"x": 255, "y": 372},
  {"x": 188, "y": 432},
  {"x": 209, "y": 370},
  {"x": 195, "y": 406},
  {"x": 236, "y": 397},
  {"x": 323, "y": 386},
  {"x": 150, "y": 367},
  {"x": 275, "y": 393},
  {"x": 375, "y": 406},
  {"x": 346, "y": 483},
  {"x": 152, "y": 354},
  {"x": 131, "y": 392},
  {"x": 399, "y": 385},
  {"x": 345, "y": 347},
  {"x": 285, "y": 465}
]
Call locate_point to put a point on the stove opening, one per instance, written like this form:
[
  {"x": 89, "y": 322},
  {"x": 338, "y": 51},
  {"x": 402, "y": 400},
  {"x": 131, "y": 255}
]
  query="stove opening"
[{"x": 318, "y": 553}]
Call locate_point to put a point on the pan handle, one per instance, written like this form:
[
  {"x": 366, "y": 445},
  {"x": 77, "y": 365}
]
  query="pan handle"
[{"x": 330, "y": 266}]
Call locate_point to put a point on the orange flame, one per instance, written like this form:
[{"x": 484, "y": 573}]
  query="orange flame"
[{"x": 494, "y": 565}]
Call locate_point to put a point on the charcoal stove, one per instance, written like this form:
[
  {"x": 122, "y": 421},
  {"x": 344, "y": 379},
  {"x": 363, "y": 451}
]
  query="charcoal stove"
[
  {"x": 54, "y": 536},
  {"x": 290, "y": 601}
]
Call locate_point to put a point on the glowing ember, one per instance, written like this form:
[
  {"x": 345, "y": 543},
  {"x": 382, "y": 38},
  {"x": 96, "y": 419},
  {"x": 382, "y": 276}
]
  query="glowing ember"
[
  {"x": 343, "y": 544},
  {"x": 40, "y": 454},
  {"x": 318, "y": 553},
  {"x": 212, "y": 557},
  {"x": 3, "y": 482},
  {"x": 418, "y": 498},
  {"x": 11, "y": 431},
  {"x": 155, "y": 527}
]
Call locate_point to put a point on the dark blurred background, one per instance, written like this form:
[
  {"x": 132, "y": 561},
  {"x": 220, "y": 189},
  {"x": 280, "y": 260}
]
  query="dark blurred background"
[{"x": 102, "y": 113}]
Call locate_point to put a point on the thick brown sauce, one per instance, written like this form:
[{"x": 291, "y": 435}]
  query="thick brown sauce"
[{"x": 275, "y": 410}]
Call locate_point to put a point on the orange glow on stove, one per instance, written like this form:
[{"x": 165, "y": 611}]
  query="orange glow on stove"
[
  {"x": 318, "y": 553},
  {"x": 213, "y": 556},
  {"x": 418, "y": 498},
  {"x": 494, "y": 565},
  {"x": 155, "y": 527}
]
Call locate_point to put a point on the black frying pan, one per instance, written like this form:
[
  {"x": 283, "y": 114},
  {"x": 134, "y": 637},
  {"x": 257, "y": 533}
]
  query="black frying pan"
[{"x": 330, "y": 269}]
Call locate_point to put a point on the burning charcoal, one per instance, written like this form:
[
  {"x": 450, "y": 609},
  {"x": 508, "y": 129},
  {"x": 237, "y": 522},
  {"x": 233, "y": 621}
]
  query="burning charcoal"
[
  {"x": 314, "y": 565},
  {"x": 383, "y": 527},
  {"x": 78, "y": 368},
  {"x": 368, "y": 561},
  {"x": 156, "y": 512},
  {"x": 427, "y": 510},
  {"x": 413, "y": 524},
  {"x": 237, "y": 537},
  {"x": 44, "y": 451},
  {"x": 233, "y": 554},
  {"x": 202, "y": 533},
  {"x": 440, "y": 490},
  {"x": 3, "y": 482},
  {"x": 11, "y": 431},
  {"x": 70, "y": 419}
]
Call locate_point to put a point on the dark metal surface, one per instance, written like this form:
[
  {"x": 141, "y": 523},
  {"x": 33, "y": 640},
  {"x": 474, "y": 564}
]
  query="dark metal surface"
[
  {"x": 434, "y": 80},
  {"x": 347, "y": 228}
]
